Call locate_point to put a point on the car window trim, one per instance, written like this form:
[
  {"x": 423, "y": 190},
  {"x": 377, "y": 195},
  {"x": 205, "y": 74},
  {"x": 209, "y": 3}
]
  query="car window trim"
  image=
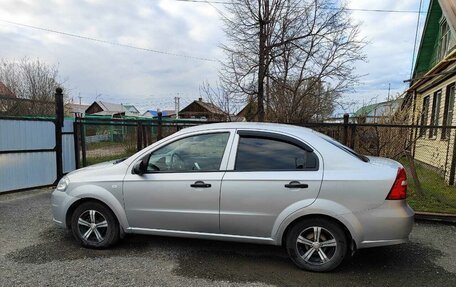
[
  {"x": 277, "y": 137},
  {"x": 274, "y": 136}
]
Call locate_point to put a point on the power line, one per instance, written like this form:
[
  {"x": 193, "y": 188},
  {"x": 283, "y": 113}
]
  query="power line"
[
  {"x": 107, "y": 42},
  {"x": 416, "y": 38},
  {"x": 327, "y": 8}
]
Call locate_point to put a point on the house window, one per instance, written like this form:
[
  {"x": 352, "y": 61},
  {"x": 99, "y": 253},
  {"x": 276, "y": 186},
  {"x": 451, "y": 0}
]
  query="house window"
[
  {"x": 435, "y": 113},
  {"x": 448, "y": 110},
  {"x": 424, "y": 115},
  {"x": 445, "y": 36}
]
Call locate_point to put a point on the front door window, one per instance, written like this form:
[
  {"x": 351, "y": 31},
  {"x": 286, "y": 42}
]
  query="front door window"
[{"x": 200, "y": 153}]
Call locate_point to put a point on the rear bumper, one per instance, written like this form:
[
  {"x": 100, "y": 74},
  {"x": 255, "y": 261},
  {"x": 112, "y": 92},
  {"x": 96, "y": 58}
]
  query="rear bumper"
[{"x": 389, "y": 224}]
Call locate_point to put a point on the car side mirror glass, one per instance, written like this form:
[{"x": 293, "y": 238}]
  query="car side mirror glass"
[{"x": 139, "y": 168}]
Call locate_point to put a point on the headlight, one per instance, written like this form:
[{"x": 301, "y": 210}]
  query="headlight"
[{"x": 63, "y": 184}]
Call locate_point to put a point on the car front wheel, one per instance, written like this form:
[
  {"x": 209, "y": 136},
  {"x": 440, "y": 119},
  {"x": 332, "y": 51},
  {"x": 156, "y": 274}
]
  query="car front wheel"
[
  {"x": 94, "y": 225},
  {"x": 317, "y": 245}
]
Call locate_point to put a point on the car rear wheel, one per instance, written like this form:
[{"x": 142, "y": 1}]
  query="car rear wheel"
[
  {"x": 94, "y": 225},
  {"x": 316, "y": 245}
]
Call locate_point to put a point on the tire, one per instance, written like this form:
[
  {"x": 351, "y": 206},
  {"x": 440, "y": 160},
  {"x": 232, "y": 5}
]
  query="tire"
[
  {"x": 314, "y": 255},
  {"x": 94, "y": 225}
]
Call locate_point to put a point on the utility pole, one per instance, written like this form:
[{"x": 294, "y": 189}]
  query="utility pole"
[
  {"x": 79, "y": 96},
  {"x": 389, "y": 90},
  {"x": 176, "y": 106}
]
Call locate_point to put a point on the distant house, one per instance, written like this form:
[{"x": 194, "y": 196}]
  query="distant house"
[
  {"x": 76, "y": 109},
  {"x": 131, "y": 110},
  {"x": 154, "y": 114},
  {"x": 248, "y": 112},
  {"x": 5, "y": 91},
  {"x": 375, "y": 113},
  {"x": 5, "y": 94},
  {"x": 101, "y": 108},
  {"x": 431, "y": 95},
  {"x": 203, "y": 110}
]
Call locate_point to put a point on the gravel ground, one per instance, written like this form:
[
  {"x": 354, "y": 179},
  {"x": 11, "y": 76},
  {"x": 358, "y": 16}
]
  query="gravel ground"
[{"x": 33, "y": 252}]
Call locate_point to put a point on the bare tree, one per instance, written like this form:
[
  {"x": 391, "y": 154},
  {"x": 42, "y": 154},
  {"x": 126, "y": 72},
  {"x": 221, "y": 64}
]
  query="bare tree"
[
  {"x": 287, "y": 48},
  {"x": 34, "y": 82},
  {"x": 217, "y": 96}
]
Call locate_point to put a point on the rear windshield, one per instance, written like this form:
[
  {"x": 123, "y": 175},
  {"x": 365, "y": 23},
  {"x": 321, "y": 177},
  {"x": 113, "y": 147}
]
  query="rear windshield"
[{"x": 344, "y": 148}]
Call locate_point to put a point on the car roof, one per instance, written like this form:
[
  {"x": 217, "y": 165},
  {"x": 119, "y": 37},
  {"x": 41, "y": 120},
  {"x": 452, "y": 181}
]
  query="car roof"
[{"x": 283, "y": 128}]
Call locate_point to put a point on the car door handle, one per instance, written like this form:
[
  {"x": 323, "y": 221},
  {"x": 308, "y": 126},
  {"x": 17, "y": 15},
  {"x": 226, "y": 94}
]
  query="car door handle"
[
  {"x": 296, "y": 184},
  {"x": 200, "y": 184}
]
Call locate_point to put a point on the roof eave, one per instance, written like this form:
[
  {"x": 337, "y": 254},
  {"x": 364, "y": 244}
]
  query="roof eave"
[{"x": 449, "y": 58}]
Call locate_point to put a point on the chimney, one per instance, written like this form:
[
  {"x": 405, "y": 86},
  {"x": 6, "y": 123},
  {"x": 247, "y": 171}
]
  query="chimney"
[{"x": 200, "y": 99}]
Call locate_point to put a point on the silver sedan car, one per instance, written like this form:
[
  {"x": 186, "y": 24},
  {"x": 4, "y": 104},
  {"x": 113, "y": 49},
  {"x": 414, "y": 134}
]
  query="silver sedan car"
[{"x": 248, "y": 182}]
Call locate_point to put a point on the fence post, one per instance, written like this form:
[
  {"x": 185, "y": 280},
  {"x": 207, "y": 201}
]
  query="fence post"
[
  {"x": 83, "y": 145},
  {"x": 144, "y": 136},
  {"x": 139, "y": 136},
  {"x": 76, "y": 142},
  {"x": 353, "y": 136},
  {"x": 58, "y": 131},
  {"x": 345, "y": 136},
  {"x": 159, "y": 127},
  {"x": 453, "y": 159}
]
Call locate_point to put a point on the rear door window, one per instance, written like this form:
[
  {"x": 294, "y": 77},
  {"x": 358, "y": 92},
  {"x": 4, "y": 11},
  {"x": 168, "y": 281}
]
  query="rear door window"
[{"x": 269, "y": 154}]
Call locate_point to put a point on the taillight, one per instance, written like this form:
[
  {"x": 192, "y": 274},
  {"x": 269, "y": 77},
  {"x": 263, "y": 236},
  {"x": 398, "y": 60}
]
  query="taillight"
[{"x": 399, "y": 189}]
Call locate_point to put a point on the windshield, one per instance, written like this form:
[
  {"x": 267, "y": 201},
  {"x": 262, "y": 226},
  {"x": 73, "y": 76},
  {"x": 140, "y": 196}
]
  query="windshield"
[{"x": 344, "y": 148}]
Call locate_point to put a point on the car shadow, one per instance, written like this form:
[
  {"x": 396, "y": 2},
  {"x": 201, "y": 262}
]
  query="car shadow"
[{"x": 402, "y": 265}]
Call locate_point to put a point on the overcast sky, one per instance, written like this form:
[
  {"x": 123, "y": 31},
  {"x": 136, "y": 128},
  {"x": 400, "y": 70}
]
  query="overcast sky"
[{"x": 151, "y": 80}]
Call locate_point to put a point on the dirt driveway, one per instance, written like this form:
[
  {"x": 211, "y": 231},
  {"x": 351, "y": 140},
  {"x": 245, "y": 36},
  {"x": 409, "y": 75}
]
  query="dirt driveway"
[{"x": 33, "y": 252}]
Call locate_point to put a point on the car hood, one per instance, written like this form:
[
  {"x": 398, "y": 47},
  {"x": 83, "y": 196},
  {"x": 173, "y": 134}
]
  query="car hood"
[
  {"x": 383, "y": 161},
  {"x": 99, "y": 170}
]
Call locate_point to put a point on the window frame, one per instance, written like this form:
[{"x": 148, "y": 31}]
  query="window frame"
[
  {"x": 435, "y": 113},
  {"x": 447, "y": 110},
  {"x": 444, "y": 38},
  {"x": 277, "y": 137},
  {"x": 224, "y": 159},
  {"x": 424, "y": 115}
]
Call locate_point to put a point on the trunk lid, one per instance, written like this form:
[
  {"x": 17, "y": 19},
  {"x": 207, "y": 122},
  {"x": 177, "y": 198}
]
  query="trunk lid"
[{"x": 383, "y": 161}]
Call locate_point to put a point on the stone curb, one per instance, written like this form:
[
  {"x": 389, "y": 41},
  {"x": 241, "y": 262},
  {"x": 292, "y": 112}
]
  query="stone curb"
[{"x": 436, "y": 217}]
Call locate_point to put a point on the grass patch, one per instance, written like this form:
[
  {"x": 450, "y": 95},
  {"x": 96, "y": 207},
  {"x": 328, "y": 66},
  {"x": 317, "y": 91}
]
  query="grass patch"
[
  {"x": 437, "y": 196},
  {"x": 103, "y": 144}
]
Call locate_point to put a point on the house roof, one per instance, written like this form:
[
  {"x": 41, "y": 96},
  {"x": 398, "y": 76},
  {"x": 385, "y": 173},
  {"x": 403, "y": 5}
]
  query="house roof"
[
  {"x": 111, "y": 107},
  {"x": 210, "y": 107},
  {"x": 131, "y": 109},
  {"x": 5, "y": 91},
  {"x": 430, "y": 36},
  {"x": 77, "y": 108},
  {"x": 363, "y": 111},
  {"x": 155, "y": 113}
]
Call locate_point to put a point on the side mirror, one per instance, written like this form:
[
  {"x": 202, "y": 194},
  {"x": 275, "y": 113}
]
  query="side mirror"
[{"x": 139, "y": 168}]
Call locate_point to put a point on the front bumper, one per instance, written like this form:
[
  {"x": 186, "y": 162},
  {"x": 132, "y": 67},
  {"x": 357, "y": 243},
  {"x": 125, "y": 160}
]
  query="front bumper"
[
  {"x": 389, "y": 224},
  {"x": 60, "y": 202}
]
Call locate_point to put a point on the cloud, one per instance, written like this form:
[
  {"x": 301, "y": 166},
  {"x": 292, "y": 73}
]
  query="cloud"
[
  {"x": 152, "y": 80},
  {"x": 116, "y": 72},
  {"x": 389, "y": 51}
]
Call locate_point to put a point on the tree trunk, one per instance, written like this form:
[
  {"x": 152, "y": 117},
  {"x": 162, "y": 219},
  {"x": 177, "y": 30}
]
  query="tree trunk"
[{"x": 262, "y": 59}]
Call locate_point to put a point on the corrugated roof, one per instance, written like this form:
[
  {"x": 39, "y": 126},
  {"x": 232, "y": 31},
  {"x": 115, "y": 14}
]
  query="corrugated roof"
[
  {"x": 111, "y": 107},
  {"x": 363, "y": 111}
]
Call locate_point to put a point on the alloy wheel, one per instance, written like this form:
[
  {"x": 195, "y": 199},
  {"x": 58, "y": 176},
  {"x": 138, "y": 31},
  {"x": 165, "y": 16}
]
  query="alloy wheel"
[
  {"x": 316, "y": 245},
  {"x": 92, "y": 226}
]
